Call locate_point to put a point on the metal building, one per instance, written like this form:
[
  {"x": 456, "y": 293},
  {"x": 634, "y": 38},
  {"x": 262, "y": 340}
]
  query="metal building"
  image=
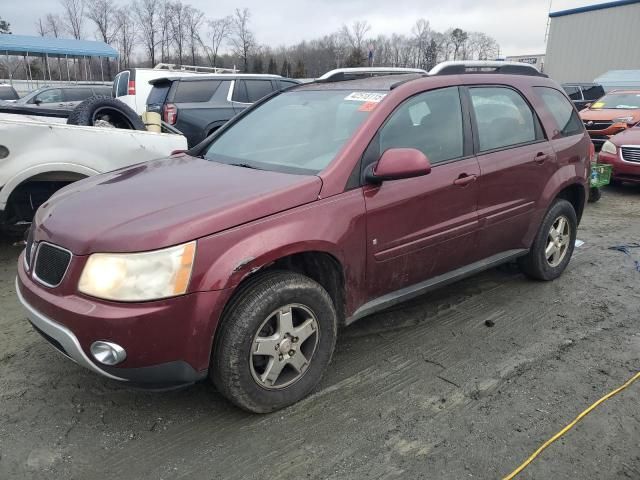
[{"x": 586, "y": 42}]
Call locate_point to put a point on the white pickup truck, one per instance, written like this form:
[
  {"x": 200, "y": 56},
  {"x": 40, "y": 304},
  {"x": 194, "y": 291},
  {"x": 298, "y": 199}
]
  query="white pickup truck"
[{"x": 39, "y": 155}]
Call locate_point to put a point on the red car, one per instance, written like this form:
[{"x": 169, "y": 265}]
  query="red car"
[
  {"x": 622, "y": 152},
  {"x": 318, "y": 206},
  {"x": 612, "y": 114}
]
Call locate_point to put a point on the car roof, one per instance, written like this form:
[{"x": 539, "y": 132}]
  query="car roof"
[
  {"x": 219, "y": 76},
  {"x": 378, "y": 82}
]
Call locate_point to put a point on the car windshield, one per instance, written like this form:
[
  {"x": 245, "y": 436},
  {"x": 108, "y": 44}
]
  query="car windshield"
[
  {"x": 299, "y": 131},
  {"x": 620, "y": 101}
]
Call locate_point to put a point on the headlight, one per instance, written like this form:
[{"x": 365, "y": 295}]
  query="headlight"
[
  {"x": 609, "y": 147},
  {"x": 143, "y": 276},
  {"x": 623, "y": 120}
]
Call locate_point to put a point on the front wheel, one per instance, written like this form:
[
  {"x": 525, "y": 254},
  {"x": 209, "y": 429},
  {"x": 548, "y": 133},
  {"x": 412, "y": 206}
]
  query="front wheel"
[
  {"x": 554, "y": 243},
  {"x": 276, "y": 339}
]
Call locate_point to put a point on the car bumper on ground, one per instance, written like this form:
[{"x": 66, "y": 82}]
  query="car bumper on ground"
[
  {"x": 623, "y": 170},
  {"x": 165, "y": 344}
]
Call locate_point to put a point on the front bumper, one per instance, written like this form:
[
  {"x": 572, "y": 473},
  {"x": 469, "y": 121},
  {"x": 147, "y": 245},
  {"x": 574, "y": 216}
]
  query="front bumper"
[
  {"x": 622, "y": 170},
  {"x": 168, "y": 343}
]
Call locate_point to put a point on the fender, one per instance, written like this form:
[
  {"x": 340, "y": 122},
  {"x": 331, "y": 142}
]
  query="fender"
[
  {"x": 336, "y": 226},
  {"x": 24, "y": 175},
  {"x": 565, "y": 176}
]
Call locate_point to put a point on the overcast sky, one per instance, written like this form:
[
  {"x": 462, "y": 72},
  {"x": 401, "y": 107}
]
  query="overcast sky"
[{"x": 517, "y": 25}]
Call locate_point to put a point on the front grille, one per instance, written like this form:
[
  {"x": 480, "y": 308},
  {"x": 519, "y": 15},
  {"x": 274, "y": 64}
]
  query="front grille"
[
  {"x": 631, "y": 154},
  {"x": 597, "y": 125},
  {"x": 51, "y": 264}
]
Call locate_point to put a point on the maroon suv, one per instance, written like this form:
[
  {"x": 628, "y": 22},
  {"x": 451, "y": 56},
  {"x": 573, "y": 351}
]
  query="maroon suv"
[{"x": 320, "y": 205}]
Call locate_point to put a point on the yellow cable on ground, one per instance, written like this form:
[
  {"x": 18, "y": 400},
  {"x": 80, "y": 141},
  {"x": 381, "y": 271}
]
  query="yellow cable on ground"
[{"x": 569, "y": 427}]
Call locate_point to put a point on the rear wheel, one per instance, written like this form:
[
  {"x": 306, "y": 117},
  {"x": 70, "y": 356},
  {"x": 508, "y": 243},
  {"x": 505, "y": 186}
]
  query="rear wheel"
[
  {"x": 554, "y": 243},
  {"x": 275, "y": 341}
]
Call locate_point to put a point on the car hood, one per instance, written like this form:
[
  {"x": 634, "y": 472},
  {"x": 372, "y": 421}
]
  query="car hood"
[
  {"x": 630, "y": 136},
  {"x": 609, "y": 114},
  {"x": 165, "y": 202}
]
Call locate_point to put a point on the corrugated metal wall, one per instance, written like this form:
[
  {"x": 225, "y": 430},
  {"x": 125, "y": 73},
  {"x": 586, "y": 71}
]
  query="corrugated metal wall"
[{"x": 585, "y": 45}]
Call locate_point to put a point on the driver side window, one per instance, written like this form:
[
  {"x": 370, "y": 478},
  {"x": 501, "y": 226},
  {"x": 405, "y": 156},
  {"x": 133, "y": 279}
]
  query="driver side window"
[
  {"x": 49, "y": 96},
  {"x": 430, "y": 122}
]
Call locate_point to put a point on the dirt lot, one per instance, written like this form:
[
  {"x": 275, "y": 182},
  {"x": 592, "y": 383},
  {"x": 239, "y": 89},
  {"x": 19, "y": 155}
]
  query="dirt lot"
[{"x": 423, "y": 391}]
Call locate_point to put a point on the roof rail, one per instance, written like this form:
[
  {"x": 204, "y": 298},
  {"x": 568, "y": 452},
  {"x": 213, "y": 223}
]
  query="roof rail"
[
  {"x": 193, "y": 68},
  {"x": 340, "y": 74},
  {"x": 485, "y": 66}
]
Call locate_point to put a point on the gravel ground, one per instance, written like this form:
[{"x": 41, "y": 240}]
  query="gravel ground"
[{"x": 424, "y": 391}]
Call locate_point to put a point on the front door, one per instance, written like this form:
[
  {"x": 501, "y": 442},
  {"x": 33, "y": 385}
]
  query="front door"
[{"x": 421, "y": 227}]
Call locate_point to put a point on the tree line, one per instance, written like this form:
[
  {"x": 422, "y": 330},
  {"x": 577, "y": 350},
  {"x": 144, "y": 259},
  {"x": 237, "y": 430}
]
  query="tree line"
[{"x": 146, "y": 32}]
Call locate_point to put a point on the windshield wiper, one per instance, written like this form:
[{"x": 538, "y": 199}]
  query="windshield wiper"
[{"x": 244, "y": 165}]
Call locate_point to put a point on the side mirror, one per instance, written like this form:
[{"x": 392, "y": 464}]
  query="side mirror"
[
  {"x": 588, "y": 105},
  {"x": 398, "y": 163},
  {"x": 37, "y": 101}
]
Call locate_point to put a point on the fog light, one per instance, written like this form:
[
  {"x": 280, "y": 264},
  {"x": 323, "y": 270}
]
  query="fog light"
[{"x": 108, "y": 353}]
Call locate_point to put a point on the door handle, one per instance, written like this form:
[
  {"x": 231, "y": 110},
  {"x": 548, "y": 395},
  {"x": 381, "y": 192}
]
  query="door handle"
[
  {"x": 464, "y": 179},
  {"x": 541, "y": 158}
]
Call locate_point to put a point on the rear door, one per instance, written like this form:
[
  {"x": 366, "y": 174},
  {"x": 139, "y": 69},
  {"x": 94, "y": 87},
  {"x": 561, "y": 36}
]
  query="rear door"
[
  {"x": 516, "y": 162},
  {"x": 421, "y": 227},
  {"x": 73, "y": 96}
]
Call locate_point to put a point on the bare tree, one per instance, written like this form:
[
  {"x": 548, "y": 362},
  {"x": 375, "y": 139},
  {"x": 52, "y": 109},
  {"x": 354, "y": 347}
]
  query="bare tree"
[
  {"x": 146, "y": 14},
  {"x": 101, "y": 12},
  {"x": 54, "y": 25},
  {"x": 422, "y": 37},
  {"x": 355, "y": 35},
  {"x": 219, "y": 30},
  {"x": 195, "y": 19},
  {"x": 127, "y": 34},
  {"x": 165, "y": 12},
  {"x": 178, "y": 13},
  {"x": 41, "y": 27},
  {"x": 74, "y": 12},
  {"x": 242, "y": 40},
  {"x": 458, "y": 39}
]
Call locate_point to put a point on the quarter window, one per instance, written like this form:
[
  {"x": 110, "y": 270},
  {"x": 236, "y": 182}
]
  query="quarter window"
[
  {"x": 563, "y": 112},
  {"x": 503, "y": 118},
  {"x": 430, "y": 122},
  {"x": 195, "y": 91}
]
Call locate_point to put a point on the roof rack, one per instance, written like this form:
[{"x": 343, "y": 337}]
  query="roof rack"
[
  {"x": 340, "y": 74},
  {"x": 482, "y": 66},
  {"x": 193, "y": 68}
]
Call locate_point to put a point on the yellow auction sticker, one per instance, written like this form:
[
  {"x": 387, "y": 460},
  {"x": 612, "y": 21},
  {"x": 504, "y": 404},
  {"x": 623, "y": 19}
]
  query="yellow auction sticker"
[{"x": 598, "y": 105}]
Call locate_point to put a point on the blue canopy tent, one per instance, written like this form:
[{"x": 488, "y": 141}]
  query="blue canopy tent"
[{"x": 26, "y": 46}]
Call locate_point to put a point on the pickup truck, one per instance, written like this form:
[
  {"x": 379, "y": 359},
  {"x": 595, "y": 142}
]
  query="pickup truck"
[{"x": 41, "y": 154}]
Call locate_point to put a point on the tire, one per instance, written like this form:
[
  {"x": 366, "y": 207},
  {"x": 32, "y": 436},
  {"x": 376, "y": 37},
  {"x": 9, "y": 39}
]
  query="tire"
[
  {"x": 107, "y": 111},
  {"x": 594, "y": 194},
  {"x": 536, "y": 264},
  {"x": 257, "y": 312}
]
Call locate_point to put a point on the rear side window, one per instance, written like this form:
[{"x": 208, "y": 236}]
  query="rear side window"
[
  {"x": 593, "y": 93},
  {"x": 195, "y": 92},
  {"x": 257, "y": 89},
  {"x": 573, "y": 92},
  {"x": 158, "y": 93},
  {"x": 121, "y": 84},
  {"x": 430, "y": 122},
  {"x": 563, "y": 112},
  {"x": 8, "y": 93},
  {"x": 503, "y": 117},
  {"x": 77, "y": 94}
]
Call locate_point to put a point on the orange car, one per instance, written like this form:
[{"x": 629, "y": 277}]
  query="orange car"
[{"x": 613, "y": 113}]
